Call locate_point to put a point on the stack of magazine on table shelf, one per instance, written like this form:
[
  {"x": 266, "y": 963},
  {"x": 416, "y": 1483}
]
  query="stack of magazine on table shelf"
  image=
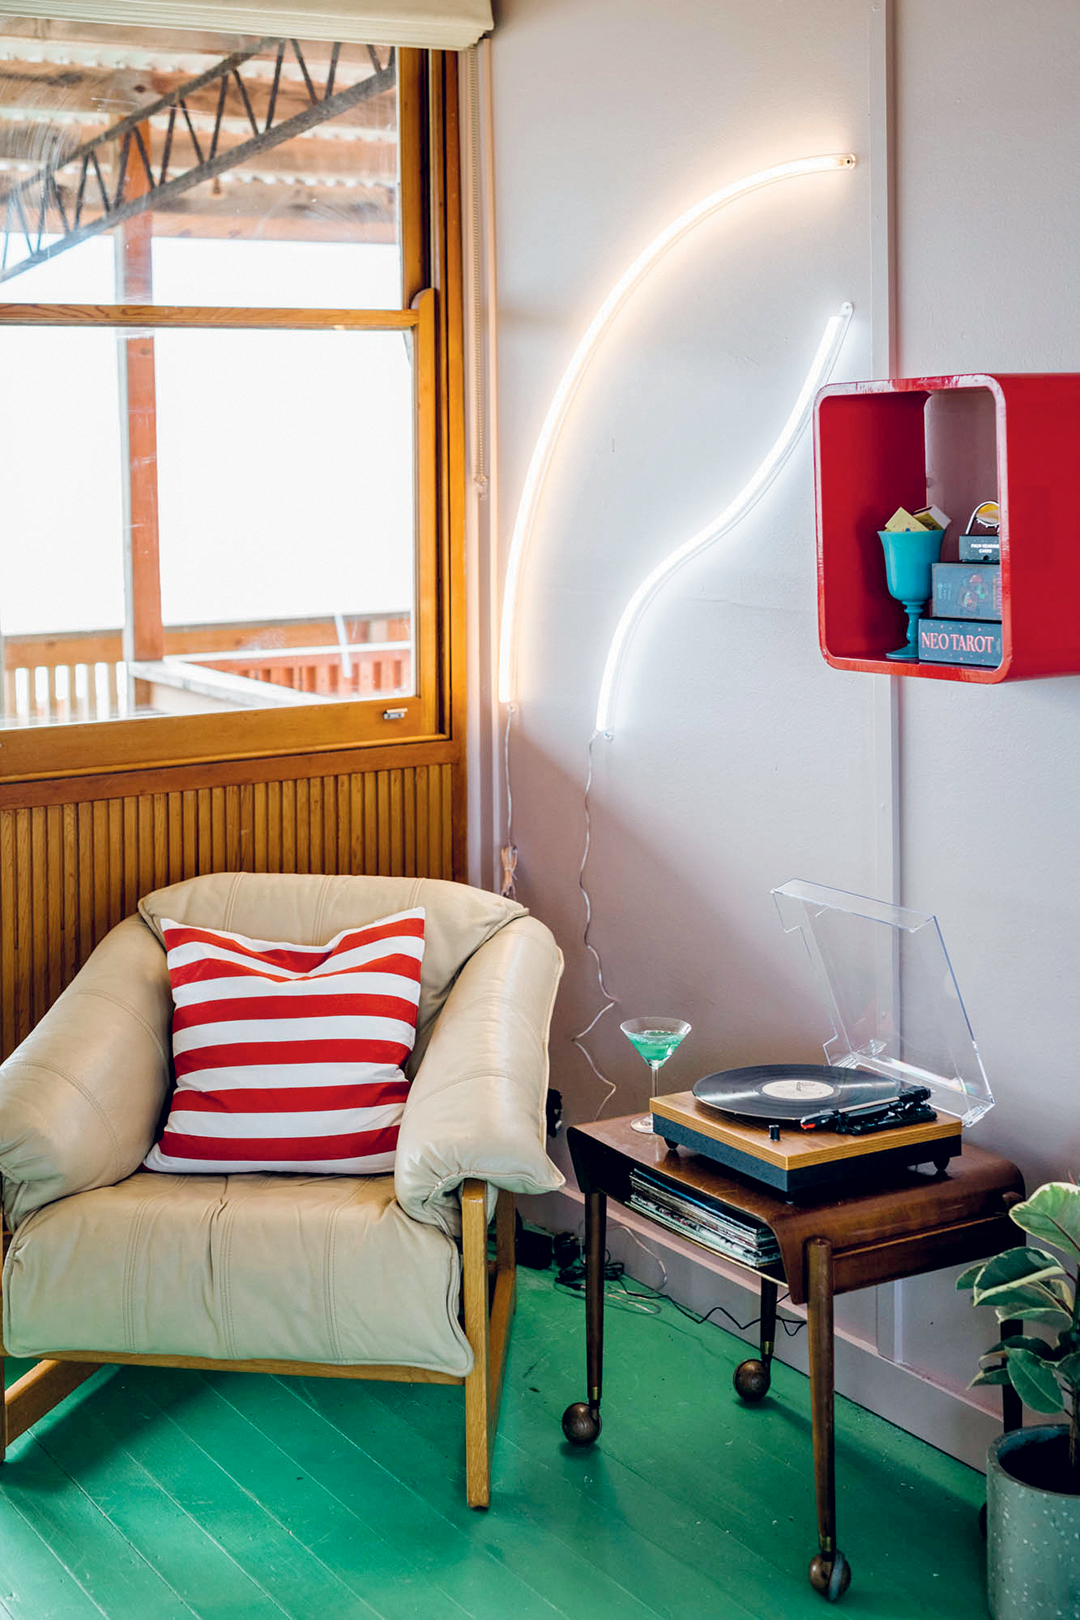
[{"x": 728, "y": 1231}]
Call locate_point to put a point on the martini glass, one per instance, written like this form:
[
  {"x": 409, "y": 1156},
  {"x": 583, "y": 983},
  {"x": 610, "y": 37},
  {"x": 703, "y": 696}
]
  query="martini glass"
[{"x": 655, "y": 1039}]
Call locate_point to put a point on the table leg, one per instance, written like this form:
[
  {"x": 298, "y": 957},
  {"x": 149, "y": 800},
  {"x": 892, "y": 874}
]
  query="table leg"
[
  {"x": 1012, "y": 1407},
  {"x": 581, "y": 1420},
  {"x": 829, "y": 1572},
  {"x": 752, "y": 1378}
]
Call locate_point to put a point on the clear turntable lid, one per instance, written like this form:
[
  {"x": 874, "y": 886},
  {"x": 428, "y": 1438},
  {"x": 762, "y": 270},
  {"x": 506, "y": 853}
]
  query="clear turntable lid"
[{"x": 892, "y": 996}]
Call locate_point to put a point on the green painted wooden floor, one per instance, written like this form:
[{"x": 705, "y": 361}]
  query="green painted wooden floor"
[{"x": 156, "y": 1495}]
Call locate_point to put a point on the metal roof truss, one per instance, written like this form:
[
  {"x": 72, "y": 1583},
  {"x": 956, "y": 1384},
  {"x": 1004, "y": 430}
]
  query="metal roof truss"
[{"x": 45, "y": 205}]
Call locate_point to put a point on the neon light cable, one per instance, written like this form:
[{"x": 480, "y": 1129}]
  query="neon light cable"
[
  {"x": 571, "y": 379},
  {"x": 748, "y": 496}
]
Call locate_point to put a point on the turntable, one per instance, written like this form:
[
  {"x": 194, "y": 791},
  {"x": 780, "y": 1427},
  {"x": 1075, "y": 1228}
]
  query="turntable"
[{"x": 903, "y": 1074}]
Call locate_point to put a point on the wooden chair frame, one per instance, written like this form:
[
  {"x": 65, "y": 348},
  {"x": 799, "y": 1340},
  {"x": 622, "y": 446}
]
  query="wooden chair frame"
[{"x": 489, "y": 1295}]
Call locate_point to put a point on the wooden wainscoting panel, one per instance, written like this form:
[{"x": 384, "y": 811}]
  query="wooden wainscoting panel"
[{"x": 70, "y": 871}]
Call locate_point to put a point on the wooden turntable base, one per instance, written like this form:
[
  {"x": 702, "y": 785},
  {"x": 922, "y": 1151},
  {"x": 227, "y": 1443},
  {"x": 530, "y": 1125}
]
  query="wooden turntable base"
[{"x": 801, "y": 1160}]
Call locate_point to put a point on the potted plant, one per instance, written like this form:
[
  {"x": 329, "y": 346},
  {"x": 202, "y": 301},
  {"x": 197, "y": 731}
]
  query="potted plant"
[{"x": 1033, "y": 1475}]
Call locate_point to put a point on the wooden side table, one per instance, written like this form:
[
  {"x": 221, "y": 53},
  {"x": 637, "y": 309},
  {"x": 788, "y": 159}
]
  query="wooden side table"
[{"x": 897, "y": 1225}]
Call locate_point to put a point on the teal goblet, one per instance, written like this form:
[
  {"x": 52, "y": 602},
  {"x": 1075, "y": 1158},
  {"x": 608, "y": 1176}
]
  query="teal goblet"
[{"x": 910, "y": 554}]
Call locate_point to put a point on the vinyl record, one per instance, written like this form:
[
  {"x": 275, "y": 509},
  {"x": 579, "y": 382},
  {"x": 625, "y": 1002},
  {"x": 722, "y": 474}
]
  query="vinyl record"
[{"x": 775, "y": 1093}]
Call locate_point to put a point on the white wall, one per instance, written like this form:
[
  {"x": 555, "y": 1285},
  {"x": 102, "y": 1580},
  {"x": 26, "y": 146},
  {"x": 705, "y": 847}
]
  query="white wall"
[
  {"x": 741, "y": 759},
  {"x": 989, "y": 240}
]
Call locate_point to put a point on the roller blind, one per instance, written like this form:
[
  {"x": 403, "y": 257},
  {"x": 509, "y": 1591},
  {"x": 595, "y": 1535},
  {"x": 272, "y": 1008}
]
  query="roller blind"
[{"x": 448, "y": 25}]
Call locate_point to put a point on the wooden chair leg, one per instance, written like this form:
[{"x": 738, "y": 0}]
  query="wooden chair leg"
[
  {"x": 487, "y": 1328},
  {"x": 503, "y": 1302},
  {"x": 39, "y": 1390},
  {"x": 475, "y": 1288}
]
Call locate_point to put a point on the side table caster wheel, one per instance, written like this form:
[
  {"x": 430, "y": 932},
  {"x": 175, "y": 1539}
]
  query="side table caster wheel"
[
  {"x": 752, "y": 1380},
  {"x": 830, "y": 1576},
  {"x": 982, "y": 1521},
  {"x": 580, "y": 1423}
]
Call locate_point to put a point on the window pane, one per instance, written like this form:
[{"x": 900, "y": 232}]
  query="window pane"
[
  {"x": 296, "y": 168},
  {"x": 60, "y": 455},
  {"x": 285, "y": 475},
  {"x": 269, "y": 509}
]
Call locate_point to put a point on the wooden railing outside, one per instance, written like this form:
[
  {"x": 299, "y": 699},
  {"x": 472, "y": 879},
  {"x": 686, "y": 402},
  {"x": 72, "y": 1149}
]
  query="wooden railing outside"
[{"x": 82, "y": 676}]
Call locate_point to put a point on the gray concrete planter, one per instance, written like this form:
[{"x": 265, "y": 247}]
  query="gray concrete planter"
[{"x": 1033, "y": 1538}]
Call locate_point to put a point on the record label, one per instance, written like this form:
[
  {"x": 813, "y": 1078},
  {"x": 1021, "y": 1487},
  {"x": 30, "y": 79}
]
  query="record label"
[
  {"x": 776, "y": 1093},
  {"x": 799, "y": 1090}
]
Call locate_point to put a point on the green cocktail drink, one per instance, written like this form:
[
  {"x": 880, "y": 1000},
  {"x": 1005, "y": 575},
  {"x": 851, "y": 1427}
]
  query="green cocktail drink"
[
  {"x": 655, "y": 1045},
  {"x": 655, "y": 1039}
]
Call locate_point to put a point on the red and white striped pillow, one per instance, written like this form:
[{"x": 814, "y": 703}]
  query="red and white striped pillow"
[{"x": 289, "y": 1057}]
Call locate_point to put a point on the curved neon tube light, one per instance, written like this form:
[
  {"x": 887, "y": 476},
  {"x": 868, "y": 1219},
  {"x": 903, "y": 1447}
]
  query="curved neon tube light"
[
  {"x": 570, "y": 382},
  {"x": 725, "y": 521}
]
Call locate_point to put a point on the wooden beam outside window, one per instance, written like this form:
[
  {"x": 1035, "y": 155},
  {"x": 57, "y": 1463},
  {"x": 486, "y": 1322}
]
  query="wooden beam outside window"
[{"x": 143, "y": 635}]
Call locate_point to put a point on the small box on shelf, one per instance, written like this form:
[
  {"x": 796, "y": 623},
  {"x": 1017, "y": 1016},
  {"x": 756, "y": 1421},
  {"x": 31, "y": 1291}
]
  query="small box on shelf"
[
  {"x": 963, "y": 592},
  {"x": 979, "y": 548},
  {"x": 958, "y": 641}
]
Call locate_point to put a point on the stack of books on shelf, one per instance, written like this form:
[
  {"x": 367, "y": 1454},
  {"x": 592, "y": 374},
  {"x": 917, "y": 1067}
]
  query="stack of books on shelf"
[
  {"x": 704, "y": 1220},
  {"x": 962, "y": 592}
]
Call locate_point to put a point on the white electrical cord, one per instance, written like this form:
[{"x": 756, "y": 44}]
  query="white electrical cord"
[{"x": 610, "y": 1001}]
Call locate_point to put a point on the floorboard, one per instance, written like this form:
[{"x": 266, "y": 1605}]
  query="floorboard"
[{"x": 155, "y": 1494}]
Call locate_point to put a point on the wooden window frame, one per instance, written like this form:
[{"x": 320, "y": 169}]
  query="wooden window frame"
[{"x": 430, "y": 310}]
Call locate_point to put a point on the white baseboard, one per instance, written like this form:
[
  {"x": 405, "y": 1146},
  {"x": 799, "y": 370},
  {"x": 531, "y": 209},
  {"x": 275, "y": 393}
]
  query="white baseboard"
[{"x": 946, "y": 1417}]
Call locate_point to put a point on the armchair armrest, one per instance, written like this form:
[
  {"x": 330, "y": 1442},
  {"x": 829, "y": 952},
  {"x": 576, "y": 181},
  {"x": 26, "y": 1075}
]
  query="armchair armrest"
[
  {"x": 81, "y": 1096},
  {"x": 476, "y": 1106}
]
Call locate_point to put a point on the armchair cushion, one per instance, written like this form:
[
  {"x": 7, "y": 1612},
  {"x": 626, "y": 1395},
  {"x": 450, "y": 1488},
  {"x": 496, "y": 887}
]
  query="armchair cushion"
[
  {"x": 81, "y": 1097},
  {"x": 250, "y": 1267},
  {"x": 289, "y": 1057},
  {"x": 476, "y": 1107}
]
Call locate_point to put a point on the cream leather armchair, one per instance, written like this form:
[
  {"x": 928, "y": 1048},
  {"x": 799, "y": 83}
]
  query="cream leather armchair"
[{"x": 333, "y": 1276}]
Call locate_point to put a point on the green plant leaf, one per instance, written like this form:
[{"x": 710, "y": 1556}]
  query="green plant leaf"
[
  {"x": 1061, "y": 1288},
  {"x": 1019, "y": 1341},
  {"x": 1045, "y": 1315},
  {"x": 1017, "y": 1266},
  {"x": 968, "y": 1278},
  {"x": 1034, "y": 1304},
  {"x": 1053, "y": 1214},
  {"x": 1034, "y": 1382},
  {"x": 1069, "y": 1368},
  {"x": 992, "y": 1375}
]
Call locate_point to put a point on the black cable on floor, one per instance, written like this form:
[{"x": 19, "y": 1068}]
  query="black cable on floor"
[{"x": 570, "y": 1279}]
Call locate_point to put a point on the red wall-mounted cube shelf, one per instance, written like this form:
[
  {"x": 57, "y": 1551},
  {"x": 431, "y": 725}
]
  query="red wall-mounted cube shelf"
[{"x": 871, "y": 457}]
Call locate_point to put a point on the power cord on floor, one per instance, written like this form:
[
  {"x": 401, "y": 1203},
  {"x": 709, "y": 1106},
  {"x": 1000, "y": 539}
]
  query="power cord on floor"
[
  {"x": 570, "y": 1279},
  {"x": 790, "y": 1324}
]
